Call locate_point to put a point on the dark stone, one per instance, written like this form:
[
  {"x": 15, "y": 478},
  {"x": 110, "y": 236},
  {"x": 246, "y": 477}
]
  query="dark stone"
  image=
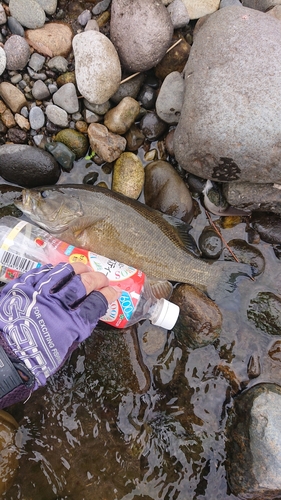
[
  {"x": 28, "y": 166},
  {"x": 17, "y": 136},
  {"x": 152, "y": 126}
]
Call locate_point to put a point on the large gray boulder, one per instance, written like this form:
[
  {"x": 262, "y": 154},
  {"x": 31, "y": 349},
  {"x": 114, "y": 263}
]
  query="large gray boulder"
[{"x": 229, "y": 128}]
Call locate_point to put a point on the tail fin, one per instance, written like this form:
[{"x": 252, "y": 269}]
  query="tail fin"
[{"x": 226, "y": 277}]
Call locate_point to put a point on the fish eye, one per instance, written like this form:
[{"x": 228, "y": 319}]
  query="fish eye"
[{"x": 44, "y": 194}]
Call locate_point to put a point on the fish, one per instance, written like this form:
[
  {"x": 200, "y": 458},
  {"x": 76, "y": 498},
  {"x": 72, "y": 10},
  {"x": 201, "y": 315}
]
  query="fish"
[
  {"x": 215, "y": 202},
  {"x": 123, "y": 229}
]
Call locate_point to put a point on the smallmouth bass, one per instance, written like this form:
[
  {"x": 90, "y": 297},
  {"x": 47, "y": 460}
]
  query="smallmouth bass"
[{"x": 122, "y": 229}]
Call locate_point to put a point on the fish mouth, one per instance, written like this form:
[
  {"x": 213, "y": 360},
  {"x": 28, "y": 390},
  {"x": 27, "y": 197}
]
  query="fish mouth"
[{"x": 24, "y": 202}]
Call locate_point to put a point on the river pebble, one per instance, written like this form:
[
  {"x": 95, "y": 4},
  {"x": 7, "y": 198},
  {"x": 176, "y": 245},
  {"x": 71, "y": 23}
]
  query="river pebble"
[
  {"x": 66, "y": 98},
  {"x": 128, "y": 175},
  {"x": 97, "y": 66},
  {"x": 107, "y": 145},
  {"x": 53, "y": 39},
  {"x": 62, "y": 154},
  {"x": 12, "y": 96},
  {"x": 179, "y": 14},
  {"x": 15, "y": 27},
  {"x": 28, "y": 166},
  {"x": 152, "y": 126},
  {"x": 170, "y": 98},
  {"x": 141, "y": 32},
  {"x": 17, "y": 52},
  {"x": 200, "y": 319},
  {"x": 165, "y": 190},
  {"x": 40, "y": 91},
  {"x": 57, "y": 115},
  {"x": 200, "y": 8},
  {"x": 36, "y": 118},
  {"x": 59, "y": 64},
  {"x": 49, "y": 6},
  {"x": 77, "y": 142},
  {"x": 36, "y": 61},
  {"x": 28, "y": 13},
  {"x": 120, "y": 118}
]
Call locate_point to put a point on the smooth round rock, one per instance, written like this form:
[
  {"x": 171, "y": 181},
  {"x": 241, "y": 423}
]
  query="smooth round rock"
[
  {"x": 28, "y": 166},
  {"x": 200, "y": 319},
  {"x": 210, "y": 243},
  {"x": 141, "y": 31},
  {"x": 128, "y": 175},
  {"x": 66, "y": 98},
  {"x": 36, "y": 118},
  {"x": 165, "y": 190},
  {"x": 78, "y": 143},
  {"x": 120, "y": 118},
  {"x": 28, "y": 13},
  {"x": 97, "y": 66},
  {"x": 17, "y": 52}
]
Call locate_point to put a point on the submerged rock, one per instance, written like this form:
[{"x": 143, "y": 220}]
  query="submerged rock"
[
  {"x": 264, "y": 311},
  {"x": 200, "y": 319},
  {"x": 254, "y": 443},
  {"x": 8, "y": 450}
]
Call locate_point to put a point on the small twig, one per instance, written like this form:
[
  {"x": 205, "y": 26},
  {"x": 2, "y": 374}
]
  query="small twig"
[
  {"x": 223, "y": 240},
  {"x": 138, "y": 73},
  {"x": 221, "y": 236}
]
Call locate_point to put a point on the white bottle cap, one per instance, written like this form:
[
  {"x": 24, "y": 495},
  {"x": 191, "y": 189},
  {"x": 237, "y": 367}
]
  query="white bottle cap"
[{"x": 165, "y": 315}]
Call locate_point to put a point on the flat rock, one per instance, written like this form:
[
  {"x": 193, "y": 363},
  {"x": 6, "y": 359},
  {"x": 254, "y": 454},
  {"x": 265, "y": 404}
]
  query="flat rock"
[
  {"x": 28, "y": 13},
  {"x": 97, "y": 66},
  {"x": 141, "y": 31},
  {"x": 200, "y": 8},
  {"x": 53, "y": 39},
  {"x": 229, "y": 125}
]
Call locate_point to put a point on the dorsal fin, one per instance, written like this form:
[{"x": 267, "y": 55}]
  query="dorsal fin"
[{"x": 183, "y": 229}]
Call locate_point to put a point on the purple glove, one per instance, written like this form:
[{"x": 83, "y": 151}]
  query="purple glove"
[{"x": 44, "y": 314}]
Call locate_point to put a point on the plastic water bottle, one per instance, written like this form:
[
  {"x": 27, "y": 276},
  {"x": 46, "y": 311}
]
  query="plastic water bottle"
[{"x": 24, "y": 246}]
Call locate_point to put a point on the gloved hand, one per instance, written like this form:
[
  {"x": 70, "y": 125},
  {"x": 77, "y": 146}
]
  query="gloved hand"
[{"x": 47, "y": 312}]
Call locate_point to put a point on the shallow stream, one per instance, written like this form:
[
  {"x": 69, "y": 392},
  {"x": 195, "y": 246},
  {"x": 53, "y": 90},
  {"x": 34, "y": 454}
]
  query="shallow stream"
[{"x": 138, "y": 414}]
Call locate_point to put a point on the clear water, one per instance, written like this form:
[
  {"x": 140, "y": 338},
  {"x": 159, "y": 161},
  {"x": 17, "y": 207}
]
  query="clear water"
[{"x": 139, "y": 414}]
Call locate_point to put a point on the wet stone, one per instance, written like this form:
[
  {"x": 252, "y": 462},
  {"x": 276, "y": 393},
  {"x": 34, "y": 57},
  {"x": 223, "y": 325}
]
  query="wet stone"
[
  {"x": 134, "y": 138},
  {"x": 107, "y": 145},
  {"x": 210, "y": 243},
  {"x": 264, "y": 311},
  {"x": 64, "y": 156},
  {"x": 253, "y": 445},
  {"x": 165, "y": 190},
  {"x": 147, "y": 96},
  {"x": 78, "y": 143},
  {"x": 28, "y": 166},
  {"x": 128, "y": 89},
  {"x": 174, "y": 60},
  {"x": 152, "y": 126},
  {"x": 200, "y": 320},
  {"x": 246, "y": 253},
  {"x": 128, "y": 175}
]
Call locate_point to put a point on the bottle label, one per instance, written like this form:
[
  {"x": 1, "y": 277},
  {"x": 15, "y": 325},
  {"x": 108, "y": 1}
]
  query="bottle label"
[{"x": 127, "y": 278}]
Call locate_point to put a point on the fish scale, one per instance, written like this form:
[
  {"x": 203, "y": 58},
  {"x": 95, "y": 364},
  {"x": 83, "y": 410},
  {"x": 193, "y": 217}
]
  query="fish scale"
[{"x": 123, "y": 229}]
